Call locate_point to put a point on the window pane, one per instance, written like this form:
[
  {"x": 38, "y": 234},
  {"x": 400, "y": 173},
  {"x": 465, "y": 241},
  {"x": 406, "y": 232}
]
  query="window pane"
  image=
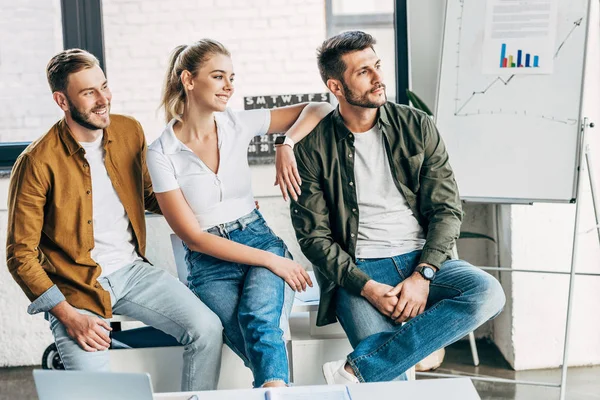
[
  {"x": 353, "y": 7},
  {"x": 35, "y": 31}
]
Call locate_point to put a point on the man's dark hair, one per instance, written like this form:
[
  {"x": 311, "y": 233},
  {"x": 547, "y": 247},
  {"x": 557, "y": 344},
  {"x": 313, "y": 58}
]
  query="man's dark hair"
[{"x": 329, "y": 55}]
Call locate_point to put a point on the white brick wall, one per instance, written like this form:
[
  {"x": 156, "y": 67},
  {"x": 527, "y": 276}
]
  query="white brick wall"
[{"x": 273, "y": 46}]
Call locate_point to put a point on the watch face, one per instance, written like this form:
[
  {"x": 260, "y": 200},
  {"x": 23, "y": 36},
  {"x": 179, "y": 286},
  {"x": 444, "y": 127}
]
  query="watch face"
[
  {"x": 279, "y": 139},
  {"x": 428, "y": 272}
]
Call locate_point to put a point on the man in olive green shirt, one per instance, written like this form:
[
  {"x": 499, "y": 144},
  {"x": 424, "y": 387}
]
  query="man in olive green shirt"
[{"x": 378, "y": 215}]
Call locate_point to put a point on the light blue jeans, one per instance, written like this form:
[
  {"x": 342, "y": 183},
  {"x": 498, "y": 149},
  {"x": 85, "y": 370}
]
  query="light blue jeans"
[
  {"x": 461, "y": 298},
  {"x": 154, "y": 297},
  {"x": 253, "y": 303}
]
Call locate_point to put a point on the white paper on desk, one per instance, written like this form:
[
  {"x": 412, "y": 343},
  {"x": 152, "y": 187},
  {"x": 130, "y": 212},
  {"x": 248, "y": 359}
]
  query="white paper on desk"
[
  {"x": 323, "y": 392},
  {"x": 311, "y": 294}
]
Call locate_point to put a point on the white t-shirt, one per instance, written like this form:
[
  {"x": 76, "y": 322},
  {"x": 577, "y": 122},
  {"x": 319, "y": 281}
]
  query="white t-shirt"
[
  {"x": 113, "y": 237},
  {"x": 214, "y": 198},
  {"x": 387, "y": 226}
]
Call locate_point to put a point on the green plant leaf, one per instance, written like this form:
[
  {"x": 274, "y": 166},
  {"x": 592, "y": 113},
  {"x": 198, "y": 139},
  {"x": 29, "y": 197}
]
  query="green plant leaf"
[
  {"x": 475, "y": 235},
  {"x": 418, "y": 103}
]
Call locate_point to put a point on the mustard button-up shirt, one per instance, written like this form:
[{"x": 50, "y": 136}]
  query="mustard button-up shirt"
[{"x": 50, "y": 230}]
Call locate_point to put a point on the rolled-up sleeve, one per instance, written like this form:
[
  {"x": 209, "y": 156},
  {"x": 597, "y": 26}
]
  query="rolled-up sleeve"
[{"x": 47, "y": 301}]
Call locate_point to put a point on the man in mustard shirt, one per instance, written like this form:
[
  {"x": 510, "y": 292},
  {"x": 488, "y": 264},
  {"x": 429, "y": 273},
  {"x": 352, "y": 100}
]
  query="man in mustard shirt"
[{"x": 77, "y": 235}]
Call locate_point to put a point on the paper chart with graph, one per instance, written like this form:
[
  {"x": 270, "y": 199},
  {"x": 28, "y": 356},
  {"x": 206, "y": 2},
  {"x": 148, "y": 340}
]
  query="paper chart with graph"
[{"x": 509, "y": 95}]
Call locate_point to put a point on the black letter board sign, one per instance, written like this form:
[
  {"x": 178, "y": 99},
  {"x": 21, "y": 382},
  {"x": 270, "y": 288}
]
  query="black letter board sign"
[{"x": 261, "y": 150}]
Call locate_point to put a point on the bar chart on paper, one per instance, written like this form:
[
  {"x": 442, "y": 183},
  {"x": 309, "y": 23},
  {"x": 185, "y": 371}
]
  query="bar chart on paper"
[
  {"x": 509, "y": 99},
  {"x": 521, "y": 60},
  {"x": 519, "y": 37}
]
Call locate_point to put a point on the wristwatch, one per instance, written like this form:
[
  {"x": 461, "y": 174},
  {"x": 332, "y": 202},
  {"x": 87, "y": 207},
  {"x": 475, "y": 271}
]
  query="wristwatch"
[
  {"x": 426, "y": 272},
  {"x": 281, "y": 140}
]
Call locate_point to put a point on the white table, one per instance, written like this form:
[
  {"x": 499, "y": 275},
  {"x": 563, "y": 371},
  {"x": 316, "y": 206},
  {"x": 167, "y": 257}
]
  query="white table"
[{"x": 429, "y": 389}]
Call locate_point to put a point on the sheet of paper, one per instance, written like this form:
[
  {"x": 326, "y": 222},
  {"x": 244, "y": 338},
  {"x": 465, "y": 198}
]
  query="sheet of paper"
[
  {"x": 324, "y": 392},
  {"x": 519, "y": 37}
]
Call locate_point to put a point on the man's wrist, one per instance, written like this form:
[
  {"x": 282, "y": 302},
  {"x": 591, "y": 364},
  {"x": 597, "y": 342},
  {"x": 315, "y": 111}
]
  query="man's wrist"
[
  {"x": 420, "y": 277},
  {"x": 425, "y": 271},
  {"x": 366, "y": 290},
  {"x": 63, "y": 311},
  {"x": 428, "y": 265}
]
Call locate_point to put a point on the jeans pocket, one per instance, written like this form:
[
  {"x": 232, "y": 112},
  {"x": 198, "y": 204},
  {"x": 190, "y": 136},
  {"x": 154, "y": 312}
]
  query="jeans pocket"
[
  {"x": 406, "y": 263},
  {"x": 193, "y": 257},
  {"x": 259, "y": 227}
]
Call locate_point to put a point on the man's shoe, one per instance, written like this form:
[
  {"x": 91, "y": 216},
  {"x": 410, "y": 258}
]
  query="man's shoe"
[{"x": 335, "y": 374}]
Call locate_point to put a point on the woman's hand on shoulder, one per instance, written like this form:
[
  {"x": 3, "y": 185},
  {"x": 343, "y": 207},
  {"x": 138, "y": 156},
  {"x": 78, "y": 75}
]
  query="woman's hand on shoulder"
[{"x": 287, "y": 176}]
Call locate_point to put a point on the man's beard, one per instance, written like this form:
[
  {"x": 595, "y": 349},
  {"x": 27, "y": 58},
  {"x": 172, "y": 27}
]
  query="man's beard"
[
  {"x": 84, "y": 118},
  {"x": 362, "y": 101}
]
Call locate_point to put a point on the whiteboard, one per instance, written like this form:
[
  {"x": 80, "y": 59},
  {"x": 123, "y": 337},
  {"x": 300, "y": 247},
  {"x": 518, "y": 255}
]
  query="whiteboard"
[{"x": 511, "y": 137}]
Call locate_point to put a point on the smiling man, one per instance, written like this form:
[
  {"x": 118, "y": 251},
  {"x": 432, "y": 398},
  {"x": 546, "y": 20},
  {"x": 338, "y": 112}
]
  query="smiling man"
[
  {"x": 377, "y": 216},
  {"x": 77, "y": 235}
]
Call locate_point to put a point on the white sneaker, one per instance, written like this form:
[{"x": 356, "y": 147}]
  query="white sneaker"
[{"x": 335, "y": 374}]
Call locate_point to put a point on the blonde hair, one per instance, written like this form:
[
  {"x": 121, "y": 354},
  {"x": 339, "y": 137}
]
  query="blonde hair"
[
  {"x": 185, "y": 58},
  {"x": 65, "y": 63}
]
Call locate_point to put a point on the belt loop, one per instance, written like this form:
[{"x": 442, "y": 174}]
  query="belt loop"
[
  {"x": 222, "y": 230},
  {"x": 242, "y": 223}
]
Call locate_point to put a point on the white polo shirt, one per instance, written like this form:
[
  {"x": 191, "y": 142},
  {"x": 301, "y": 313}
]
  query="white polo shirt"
[{"x": 214, "y": 198}]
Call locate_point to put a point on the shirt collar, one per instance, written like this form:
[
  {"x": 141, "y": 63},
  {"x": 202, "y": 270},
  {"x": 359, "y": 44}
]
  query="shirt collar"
[
  {"x": 171, "y": 144},
  {"x": 342, "y": 131},
  {"x": 72, "y": 146}
]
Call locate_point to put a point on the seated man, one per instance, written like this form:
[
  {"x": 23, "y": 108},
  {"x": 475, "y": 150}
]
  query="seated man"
[
  {"x": 77, "y": 234},
  {"x": 378, "y": 215}
]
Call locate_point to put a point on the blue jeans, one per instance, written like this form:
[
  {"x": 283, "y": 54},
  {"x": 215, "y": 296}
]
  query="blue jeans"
[
  {"x": 252, "y": 302},
  {"x": 154, "y": 297},
  {"x": 461, "y": 298}
]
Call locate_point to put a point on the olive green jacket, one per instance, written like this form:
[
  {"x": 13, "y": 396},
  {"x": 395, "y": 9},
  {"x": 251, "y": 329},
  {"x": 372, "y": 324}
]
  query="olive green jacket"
[{"x": 326, "y": 215}]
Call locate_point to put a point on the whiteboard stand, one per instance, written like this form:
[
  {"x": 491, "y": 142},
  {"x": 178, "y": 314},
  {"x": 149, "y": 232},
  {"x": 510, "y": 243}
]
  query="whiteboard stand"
[{"x": 586, "y": 153}]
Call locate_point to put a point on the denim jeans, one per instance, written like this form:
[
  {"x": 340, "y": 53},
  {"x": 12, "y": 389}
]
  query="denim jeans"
[
  {"x": 253, "y": 303},
  {"x": 154, "y": 297},
  {"x": 461, "y": 298}
]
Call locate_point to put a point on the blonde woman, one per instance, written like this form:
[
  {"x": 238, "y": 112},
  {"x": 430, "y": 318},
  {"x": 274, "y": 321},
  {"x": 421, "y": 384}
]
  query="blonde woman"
[{"x": 237, "y": 266}]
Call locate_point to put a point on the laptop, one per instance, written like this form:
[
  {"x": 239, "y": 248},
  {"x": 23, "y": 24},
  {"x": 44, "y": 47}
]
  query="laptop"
[{"x": 78, "y": 385}]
